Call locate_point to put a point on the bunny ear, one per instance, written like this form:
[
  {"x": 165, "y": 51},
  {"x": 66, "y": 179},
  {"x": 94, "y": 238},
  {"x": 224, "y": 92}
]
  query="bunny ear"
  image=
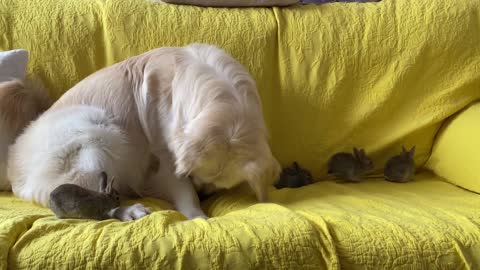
[
  {"x": 411, "y": 153},
  {"x": 109, "y": 189},
  {"x": 103, "y": 182},
  {"x": 360, "y": 154},
  {"x": 356, "y": 153},
  {"x": 403, "y": 149}
]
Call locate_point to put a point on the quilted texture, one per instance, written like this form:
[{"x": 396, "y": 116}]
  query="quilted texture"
[
  {"x": 373, "y": 75},
  {"x": 373, "y": 225}
]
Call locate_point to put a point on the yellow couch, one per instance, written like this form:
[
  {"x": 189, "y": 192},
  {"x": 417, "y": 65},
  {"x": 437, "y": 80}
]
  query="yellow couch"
[{"x": 334, "y": 76}]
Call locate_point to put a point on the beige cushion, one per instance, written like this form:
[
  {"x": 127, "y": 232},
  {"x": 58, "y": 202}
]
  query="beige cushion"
[{"x": 233, "y": 3}]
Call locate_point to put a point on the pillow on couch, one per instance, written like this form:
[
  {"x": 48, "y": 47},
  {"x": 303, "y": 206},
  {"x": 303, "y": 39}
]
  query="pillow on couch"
[
  {"x": 13, "y": 65},
  {"x": 233, "y": 3},
  {"x": 456, "y": 151}
]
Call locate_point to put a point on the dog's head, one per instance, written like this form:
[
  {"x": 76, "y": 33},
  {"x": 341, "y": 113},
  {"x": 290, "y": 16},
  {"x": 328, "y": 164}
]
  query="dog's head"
[
  {"x": 220, "y": 139},
  {"x": 219, "y": 154},
  {"x": 215, "y": 160}
]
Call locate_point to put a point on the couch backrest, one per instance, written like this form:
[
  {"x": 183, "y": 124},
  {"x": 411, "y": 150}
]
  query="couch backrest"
[{"x": 333, "y": 76}]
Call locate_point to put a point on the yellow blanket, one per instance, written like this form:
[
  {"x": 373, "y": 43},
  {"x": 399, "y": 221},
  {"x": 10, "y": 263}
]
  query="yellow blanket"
[
  {"x": 374, "y": 75},
  {"x": 373, "y": 225}
]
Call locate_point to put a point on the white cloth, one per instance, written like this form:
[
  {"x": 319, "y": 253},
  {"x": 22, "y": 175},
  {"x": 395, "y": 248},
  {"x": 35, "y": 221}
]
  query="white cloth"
[{"x": 13, "y": 65}]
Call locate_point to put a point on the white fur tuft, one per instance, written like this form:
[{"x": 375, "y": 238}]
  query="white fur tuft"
[{"x": 72, "y": 145}]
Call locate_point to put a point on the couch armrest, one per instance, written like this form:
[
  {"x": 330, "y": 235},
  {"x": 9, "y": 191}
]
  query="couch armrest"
[{"x": 456, "y": 150}]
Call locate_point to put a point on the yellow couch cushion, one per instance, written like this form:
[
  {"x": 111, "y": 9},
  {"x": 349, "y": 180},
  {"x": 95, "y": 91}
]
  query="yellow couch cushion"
[
  {"x": 426, "y": 224},
  {"x": 456, "y": 153}
]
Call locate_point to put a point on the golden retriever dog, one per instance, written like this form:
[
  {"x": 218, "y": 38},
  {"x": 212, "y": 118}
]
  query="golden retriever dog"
[
  {"x": 19, "y": 104},
  {"x": 195, "y": 110}
]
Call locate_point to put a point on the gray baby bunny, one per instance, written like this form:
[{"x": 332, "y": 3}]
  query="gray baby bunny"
[
  {"x": 400, "y": 168},
  {"x": 73, "y": 201},
  {"x": 350, "y": 167}
]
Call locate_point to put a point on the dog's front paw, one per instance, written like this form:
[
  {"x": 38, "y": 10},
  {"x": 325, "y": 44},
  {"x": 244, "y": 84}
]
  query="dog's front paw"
[
  {"x": 194, "y": 213},
  {"x": 199, "y": 216},
  {"x": 132, "y": 212}
]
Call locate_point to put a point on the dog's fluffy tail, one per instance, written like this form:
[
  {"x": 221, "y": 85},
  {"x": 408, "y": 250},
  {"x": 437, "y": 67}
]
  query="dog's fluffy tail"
[{"x": 72, "y": 145}]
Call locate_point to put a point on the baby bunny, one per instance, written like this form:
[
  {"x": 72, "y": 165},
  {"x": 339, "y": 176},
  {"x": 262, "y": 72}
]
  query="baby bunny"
[
  {"x": 350, "y": 167},
  {"x": 400, "y": 168},
  {"x": 73, "y": 201},
  {"x": 294, "y": 177}
]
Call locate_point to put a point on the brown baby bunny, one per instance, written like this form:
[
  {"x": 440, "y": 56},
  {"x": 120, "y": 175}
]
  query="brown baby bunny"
[
  {"x": 400, "y": 168},
  {"x": 73, "y": 201},
  {"x": 350, "y": 167}
]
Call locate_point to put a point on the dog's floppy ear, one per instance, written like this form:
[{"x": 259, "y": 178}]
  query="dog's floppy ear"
[
  {"x": 261, "y": 174},
  {"x": 186, "y": 151},
  {"x": 256, "y": 181},
  {"x": 197, "y": 136},
  {"x": 356, "y": 153}
]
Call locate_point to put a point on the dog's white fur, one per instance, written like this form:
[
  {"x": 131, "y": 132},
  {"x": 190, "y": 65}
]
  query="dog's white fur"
[
  {"x": 195, "y": 108},
  {"x": 74, "y": 144},
  {"x": 19, "y": 104}
]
